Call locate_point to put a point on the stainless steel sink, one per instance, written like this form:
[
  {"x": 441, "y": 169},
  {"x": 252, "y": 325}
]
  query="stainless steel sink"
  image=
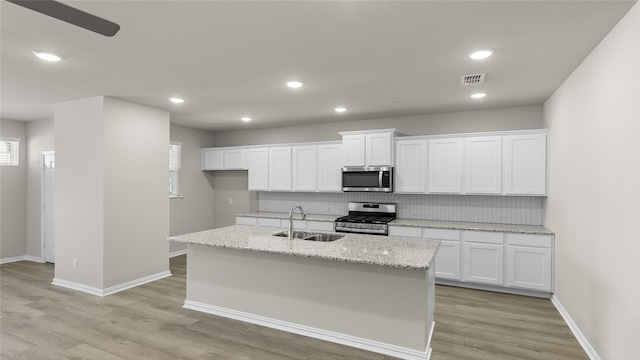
[{"x": 312, "y": 236}]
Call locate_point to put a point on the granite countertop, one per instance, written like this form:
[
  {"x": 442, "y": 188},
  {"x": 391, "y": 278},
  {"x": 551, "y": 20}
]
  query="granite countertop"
[
  {"x": 285, "y": 216},
  {"x": 389, "y": 251},
  {"x": 435, "y": 224}
]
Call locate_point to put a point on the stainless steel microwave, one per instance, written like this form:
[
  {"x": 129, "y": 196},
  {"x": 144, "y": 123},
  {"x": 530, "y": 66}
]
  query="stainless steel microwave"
[{"x": 378, "y": 178}]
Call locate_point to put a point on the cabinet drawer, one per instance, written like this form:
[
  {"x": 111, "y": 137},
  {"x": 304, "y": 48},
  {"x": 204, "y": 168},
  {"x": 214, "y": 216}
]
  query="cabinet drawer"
[
  {"x": 319, "y": 225},
  {"x": 269, "y": 222},
  {"x": 405, "y": 231},
  {"x": 484, "y": 237},
  {"x": 442, "y": 234},
  {"x": 545, "y": 241},
  {"x": 241, "y": 220}
]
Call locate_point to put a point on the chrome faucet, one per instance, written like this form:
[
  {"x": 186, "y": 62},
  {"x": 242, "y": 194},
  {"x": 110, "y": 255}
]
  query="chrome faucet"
[{"x": 304, "y": 216}]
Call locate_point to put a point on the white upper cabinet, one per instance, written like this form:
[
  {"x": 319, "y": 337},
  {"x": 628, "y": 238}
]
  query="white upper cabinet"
[
  {"x": 330, "y": 167},
  {"x": 525, "y": 164},
  {"x": 379, "y": 149},
  {"x": 211, "y": 159},
  {"x": 223, "y": 159},
  {"x": 234, "y": 159},
  {"x": 411, "y": 166},
  {"x": 483, "y": 165},
  {"x": 354, "y": 146},
  {"x": 446, "y": 157},
  {"x": 259, "y": 169},
  {"x": 368, "y": 148},
  {"x": 280, "y": 168},
  {"x": 304, "y": 172}
]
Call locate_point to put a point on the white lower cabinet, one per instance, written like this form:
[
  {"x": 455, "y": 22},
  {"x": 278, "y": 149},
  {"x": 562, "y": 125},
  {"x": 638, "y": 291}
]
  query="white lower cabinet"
[
  {"x": 448, "y": 257},
  {"x": 406, "y": 231},
  {"x": 448, "y": 260},
  {"x": 530, "y": 262},
  {"x": 483, "y": 257},
  {"x": 484, "y": 263}
]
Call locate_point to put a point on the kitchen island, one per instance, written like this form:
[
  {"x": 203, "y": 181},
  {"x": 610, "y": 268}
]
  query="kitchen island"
[{"x": 370, "y": 292}]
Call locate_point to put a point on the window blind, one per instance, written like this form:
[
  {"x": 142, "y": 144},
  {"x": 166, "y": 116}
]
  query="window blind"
[
  {"x": 9, "y": 150},
  {"x": 174, "y": 168}
]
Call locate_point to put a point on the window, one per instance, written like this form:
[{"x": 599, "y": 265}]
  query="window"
[
  {"x": 9, "y": 148},
  {"x": 174, "y": 168}
]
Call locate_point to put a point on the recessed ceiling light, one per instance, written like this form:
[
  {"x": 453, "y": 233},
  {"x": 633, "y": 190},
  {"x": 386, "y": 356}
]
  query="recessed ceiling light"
[
  {"x": 294, "y": 84},
  {"x": 246, "y": 118},
  {"x": 47, "y": 55},
  {"x": 478, "y": 95},
  {"x": 481, "y": 53},
  {"x": 176, "y": 100},
  {"x": 340, "y": 109}
]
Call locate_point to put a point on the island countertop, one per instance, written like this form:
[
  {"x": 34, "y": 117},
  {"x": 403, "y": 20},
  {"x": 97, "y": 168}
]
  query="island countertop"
[{"x": 389, "y": 251}]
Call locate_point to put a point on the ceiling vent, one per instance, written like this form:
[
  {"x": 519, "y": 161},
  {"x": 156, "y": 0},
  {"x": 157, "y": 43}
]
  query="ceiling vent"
[{"x": 473, "y": 79}]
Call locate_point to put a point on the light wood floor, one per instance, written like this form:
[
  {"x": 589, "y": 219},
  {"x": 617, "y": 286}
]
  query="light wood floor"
[{"x": 42, "y": 321}]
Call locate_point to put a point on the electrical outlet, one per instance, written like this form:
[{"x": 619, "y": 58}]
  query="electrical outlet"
[
  {"x": 75, "y": 263},
  {"x": 230, "y": 201}
]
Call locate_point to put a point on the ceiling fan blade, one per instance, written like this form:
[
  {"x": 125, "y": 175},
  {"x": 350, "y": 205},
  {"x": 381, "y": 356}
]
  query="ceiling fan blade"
[{"x": 71, "y": 15}]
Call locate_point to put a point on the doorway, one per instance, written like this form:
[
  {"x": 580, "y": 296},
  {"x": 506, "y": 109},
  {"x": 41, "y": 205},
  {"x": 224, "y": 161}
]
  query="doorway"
[{"x": 48, "y": 206}]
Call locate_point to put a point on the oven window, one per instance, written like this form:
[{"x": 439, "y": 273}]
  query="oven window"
[{"x": 360, "y": 179}]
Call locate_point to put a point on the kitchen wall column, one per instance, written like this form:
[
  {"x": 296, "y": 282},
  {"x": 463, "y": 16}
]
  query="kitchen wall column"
[{"x": 112, "y": 202}]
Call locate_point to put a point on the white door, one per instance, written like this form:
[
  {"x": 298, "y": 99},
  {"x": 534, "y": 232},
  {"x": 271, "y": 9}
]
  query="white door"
[
  {"x": 483, "y": 163},
  {"x": 379, "y": 149},
  {"x": 448, "y": 260},
  {"x": 411, "y": 164},
  {"x": 353, "y": 147},
  {"x": 329, "y": 167},
  {"x": 305, "y": 159},
  {"x": 259, "y": 169},
  {"x": 446, "y": 157},
  {"x": 280, "y": 169},
  {"x": 484, "y": 263},
  {"x": 525, "y": 164},
  {"x": 49, "y": 187}
]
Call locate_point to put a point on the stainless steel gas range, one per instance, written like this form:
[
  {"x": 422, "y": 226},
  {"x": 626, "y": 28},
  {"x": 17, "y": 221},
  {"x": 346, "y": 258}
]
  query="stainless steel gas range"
[{"x": 367, "y": 218}]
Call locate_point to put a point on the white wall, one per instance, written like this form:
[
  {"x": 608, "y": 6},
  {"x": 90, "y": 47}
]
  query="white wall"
[
  {"x": 194, "y": 210},
  {"x": 112, "y": 203},
  {"x": 13, "y": 195},
  {"x": 136, "y": 200},
  {"x": 40, "y": 137},
  {"x": 594, "y": 192},
  {"x": 514, "y": 118},
  {"x": 79, "y": 197}
]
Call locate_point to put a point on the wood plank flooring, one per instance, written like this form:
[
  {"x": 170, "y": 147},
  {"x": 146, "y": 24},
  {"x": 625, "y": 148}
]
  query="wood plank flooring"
[{"x": 42, "y": 321}]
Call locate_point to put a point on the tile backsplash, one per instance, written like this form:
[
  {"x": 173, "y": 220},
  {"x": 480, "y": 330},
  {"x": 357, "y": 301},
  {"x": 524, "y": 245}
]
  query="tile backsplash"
[{"x": 525, "y": 210}]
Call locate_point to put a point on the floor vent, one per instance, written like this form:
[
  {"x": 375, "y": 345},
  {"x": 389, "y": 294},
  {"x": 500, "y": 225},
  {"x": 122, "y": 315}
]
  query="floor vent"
[{"x": 473, "y": 79}]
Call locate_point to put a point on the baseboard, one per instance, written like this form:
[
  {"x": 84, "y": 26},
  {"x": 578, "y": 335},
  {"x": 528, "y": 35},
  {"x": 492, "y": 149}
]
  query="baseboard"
[
  {"x": 178, "y": 253},
  {"x": 78, "y": 287},
  {"x": 494, "y": 288},
  {"x": 575, "y": 330},
  {"x": 21, "y": 258},
  {"x": 339, "y": 338},
  {"x": 137, "y": 282},
  {"x": 110, "y": 290}
]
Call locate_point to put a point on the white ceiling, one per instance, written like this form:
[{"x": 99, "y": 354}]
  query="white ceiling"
[{"x": 230, "y": 59}]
